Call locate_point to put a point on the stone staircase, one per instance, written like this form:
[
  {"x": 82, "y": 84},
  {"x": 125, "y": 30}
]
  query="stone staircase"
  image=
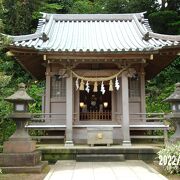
[
  {"x": 99, "y": 157},
  {"x": 53, "y": 153}
]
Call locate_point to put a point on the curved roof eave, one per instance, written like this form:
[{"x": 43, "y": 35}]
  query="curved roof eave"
[{"x": 96, "y": 33}]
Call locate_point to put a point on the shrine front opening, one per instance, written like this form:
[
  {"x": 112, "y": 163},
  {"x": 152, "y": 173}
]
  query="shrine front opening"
[{"x": 95, "y": 105}]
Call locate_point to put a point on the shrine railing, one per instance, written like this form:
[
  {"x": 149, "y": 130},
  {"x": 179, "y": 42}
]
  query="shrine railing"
[
  {"x": 48, "y": 117},
  {"x": 98, "y": 116},
  {"x": 95, "y": 115}
]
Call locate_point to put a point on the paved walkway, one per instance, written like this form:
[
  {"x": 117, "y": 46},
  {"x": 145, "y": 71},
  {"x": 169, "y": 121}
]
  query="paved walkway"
[{"x": 127, "y": 170}]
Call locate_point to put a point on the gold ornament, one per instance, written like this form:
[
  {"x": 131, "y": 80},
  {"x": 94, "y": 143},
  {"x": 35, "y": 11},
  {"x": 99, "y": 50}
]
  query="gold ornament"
[
  {"x": 81, "y": 86},
  {"x": 110, "y": 85},
  {"x": 95, "y": 87}
]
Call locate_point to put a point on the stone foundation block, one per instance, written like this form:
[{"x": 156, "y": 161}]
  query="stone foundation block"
[
  {"x": 19, "y": 146},
  {"x": 25, "y": 169},
  {"x": 20, "y": 159}
]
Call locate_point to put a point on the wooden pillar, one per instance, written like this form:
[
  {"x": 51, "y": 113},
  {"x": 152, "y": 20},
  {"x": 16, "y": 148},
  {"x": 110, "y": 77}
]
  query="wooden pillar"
[
  {"x": 43, "y": 102},
  {"x": 69, "y": 110},
  {"x": 125, "y": 110},
  {"x": 48, "y": 92},
  {"x": 76, "y": 105},
  {"x": 113, "y": 106},
  {"x": 143, "y": 97}
]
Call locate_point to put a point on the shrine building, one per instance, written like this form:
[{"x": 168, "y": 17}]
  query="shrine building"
[{"x": 95, "y": 67}]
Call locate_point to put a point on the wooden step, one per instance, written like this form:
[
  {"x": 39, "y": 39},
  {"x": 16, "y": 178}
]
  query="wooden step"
[
  {"x": 147, "y": 137},
  {"x": 99, "y": 157},
  {"x": 47, "y": 137}
]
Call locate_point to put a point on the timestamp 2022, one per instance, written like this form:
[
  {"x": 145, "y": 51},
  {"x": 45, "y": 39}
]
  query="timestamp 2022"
[{"x": 169, "y": 160}]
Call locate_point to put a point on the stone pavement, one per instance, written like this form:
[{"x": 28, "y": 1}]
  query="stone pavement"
[{"x": 126, "y": 170}]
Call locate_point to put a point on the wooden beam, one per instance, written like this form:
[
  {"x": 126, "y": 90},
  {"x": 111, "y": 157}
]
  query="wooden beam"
[
  {"x": 98, "y": 56},
  {"x": 96, "y": 73}
]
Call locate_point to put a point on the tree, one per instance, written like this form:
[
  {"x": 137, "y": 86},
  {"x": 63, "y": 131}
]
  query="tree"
[
  {"x": 165, "y": 22},
  {"x": 82, "y": 7},
  {"x": 148, "y": 6},
  {"x": 173, "y": 5},
  {"x": 114, "y": 6}
]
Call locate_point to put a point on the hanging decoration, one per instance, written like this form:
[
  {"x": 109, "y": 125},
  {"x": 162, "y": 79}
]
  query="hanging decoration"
[
  {"x": 110, "y": 85},
  {"x": 81, "y": 85},
  {"x": 77, "y": 84},
  {"x": 87, "y": 87},
  {"x": 95, "y": 80},
  {"x": 117, "y": 86},
  {"x": 99, "y": 79},
  {"x": 102, "y": 88},
  {"x": 95, "y": 87}
]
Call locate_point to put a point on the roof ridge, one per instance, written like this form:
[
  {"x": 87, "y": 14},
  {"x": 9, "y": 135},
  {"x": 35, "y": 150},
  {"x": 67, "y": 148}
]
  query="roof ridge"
[
  {"x": 84, "y": 17},
  {"x": 165, "y": 36},
  {"x": 25, "y": 37}
]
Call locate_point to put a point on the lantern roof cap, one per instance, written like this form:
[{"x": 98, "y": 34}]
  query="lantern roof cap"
[
  {"x": 175, "y": 96},
  {"x": 20, "y": 95}
]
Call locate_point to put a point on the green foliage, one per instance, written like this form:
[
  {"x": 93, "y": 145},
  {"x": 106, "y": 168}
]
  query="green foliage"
[
  {"x": 50, "y": 6},
  {"x": 173, "y": 5},
  {"x": 170, "y": 157},
  {"x": 115, "y": 6},
  {"x": 148, "y": 6},
  {"x": 165, "y": 22},
  {"x": 14, "y": 74},
  {"x": 176, "y": 26},
  {"x": 4, "y": 80},
  {"x": 154, "y": 102},
  {"x": 82, "y": 7},
  {"x": 36, "y": 90},
  {"x": 18, "y": 14},
  {"x": 161, "y": 87}
]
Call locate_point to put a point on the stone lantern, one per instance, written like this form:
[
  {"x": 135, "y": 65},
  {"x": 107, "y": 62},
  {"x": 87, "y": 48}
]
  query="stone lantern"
[
  {"x": 19, "y": 152},
  {"x": 174, "y": 99},
  {"x": 20, "y": 141}
]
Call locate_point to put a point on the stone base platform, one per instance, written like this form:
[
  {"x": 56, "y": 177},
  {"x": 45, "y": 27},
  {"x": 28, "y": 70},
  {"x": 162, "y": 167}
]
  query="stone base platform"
[
  {"x": 22, "y": 162},
  {"x": 20, "y": 159},
  {"x": 25, "y": 169}
]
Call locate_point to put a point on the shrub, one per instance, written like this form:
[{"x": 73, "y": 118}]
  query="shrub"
[{"x": 169, "y": 158}]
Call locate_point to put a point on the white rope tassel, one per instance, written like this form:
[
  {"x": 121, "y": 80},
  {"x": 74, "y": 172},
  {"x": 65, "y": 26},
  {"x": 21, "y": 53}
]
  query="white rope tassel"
[
  {"x": 117, "y": 86},
  {"x": 77, "y": 84},
  {"x": 87, "y": 87},
  {"x": 102, "y": 88}
]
